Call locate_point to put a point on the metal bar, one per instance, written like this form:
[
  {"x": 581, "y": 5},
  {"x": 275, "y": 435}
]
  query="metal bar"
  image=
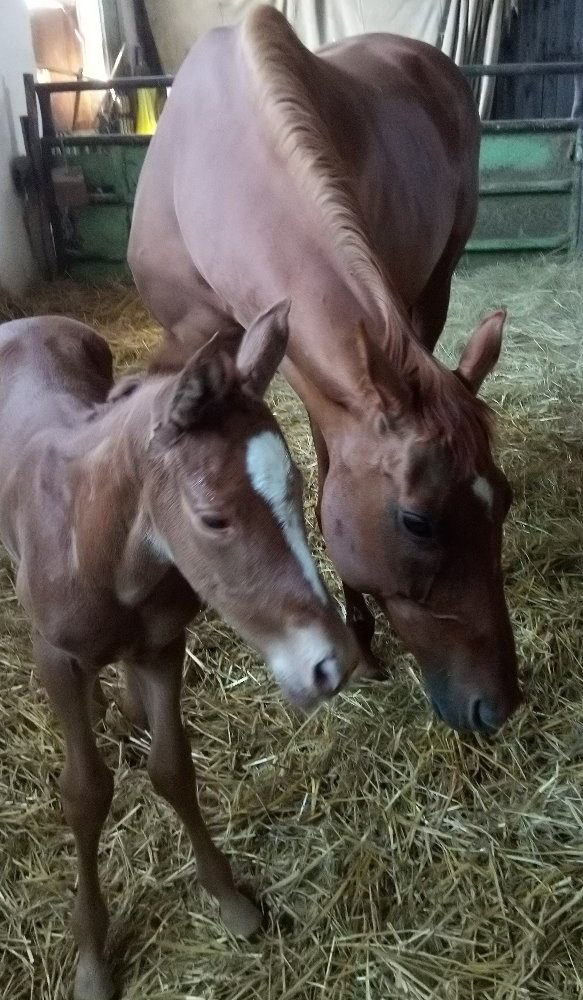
[
  {"x": 561, "y": 185},
  {"x": 121, "y": 83},
  {"x": 508, "y": 125},
  {"x": 95, "y": 139},
  {"x": 524, "y": 69},
  {"x": 136, "y": 82},
  {"x": 46, "y": 112},
  {"x": 511, "y": 125},
  {"x": 520, "y": 243},
  {"x": 578, "y": 187},
  {"x": 46, "y": 203}
]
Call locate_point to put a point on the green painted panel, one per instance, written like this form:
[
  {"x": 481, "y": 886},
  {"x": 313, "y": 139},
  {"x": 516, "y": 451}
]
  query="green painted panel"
[
  {"x": 527, "y": 215},
  {"x": 111, "y": 170},
  {"x": 133, "y": 161},
  {"x": 541, "y": 155},
  {"x": 100, "y": 233},
  {"x": 98, "y": 271},
  {"x": 530, "y": 196}
]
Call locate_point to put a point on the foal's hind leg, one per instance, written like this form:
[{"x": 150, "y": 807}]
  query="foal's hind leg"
[
  {"x": 172, "y": 774},
  {"x": 86, "y": 790},
  {"x": 132, "y": 703}
]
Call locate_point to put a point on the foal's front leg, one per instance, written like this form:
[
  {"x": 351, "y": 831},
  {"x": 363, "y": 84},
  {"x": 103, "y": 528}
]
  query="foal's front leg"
[
  {"x": 172, "y": 774},
  {"x": 86, "y": 790}
]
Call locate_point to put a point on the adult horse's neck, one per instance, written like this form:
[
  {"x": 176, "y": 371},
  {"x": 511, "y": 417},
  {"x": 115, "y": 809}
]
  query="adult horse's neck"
[{"x": 344, "y": 352}]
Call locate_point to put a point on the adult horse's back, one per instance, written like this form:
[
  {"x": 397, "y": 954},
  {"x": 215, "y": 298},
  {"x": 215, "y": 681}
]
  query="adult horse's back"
[{"x": 347, "y": 180}]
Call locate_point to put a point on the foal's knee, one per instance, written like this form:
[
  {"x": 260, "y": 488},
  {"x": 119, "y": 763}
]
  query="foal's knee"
[
  {"x": 86, "y": 797},
  {"x": 170, "y": 766}
]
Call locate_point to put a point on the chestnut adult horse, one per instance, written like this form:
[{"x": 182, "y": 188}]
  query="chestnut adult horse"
[
  {"x": 347, "y": 180},
  {"x": 122, "y": 517}
]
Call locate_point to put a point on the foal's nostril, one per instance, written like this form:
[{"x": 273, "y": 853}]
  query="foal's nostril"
[{"x": 326, "y": 675}]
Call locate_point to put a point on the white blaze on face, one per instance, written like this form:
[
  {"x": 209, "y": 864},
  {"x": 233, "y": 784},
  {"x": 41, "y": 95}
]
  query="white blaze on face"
[
  {"x": 484, "y": 491},
  {"x": 269, "y": 469}
]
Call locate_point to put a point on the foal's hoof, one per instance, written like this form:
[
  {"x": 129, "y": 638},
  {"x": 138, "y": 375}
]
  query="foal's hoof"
[
  {"x": 93, "y": 981},
  {"x": 240, "y": 916}
]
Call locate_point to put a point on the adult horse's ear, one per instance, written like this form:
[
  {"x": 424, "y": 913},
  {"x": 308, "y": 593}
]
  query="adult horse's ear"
[
  {"x": 263, "y": 347},
  {"x": 202, "y": 383},
  {"x": 482, "y": 350}
]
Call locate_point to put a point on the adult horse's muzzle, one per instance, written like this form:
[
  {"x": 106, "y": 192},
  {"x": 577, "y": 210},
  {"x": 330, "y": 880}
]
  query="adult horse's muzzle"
[
  {"x": 471, "y": 676},
  {"x": 473, "y": 697},
  {"x": 480, "y": 714}
]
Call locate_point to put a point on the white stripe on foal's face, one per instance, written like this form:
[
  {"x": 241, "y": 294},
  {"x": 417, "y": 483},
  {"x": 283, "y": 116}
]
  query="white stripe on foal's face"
[
  {"x": 269, "y": 469},
  {"x": 484, "y": 492}
]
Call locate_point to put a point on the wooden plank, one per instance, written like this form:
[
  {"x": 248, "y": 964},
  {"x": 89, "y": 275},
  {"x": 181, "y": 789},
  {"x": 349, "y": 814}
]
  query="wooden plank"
[
  {"x": 543, "y": 31},
  {"x": 550, "y": 40}
]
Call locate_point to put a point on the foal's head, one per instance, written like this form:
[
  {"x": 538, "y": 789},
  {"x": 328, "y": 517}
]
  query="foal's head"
[
  {"x": 225, "y": 500},
  {"x": 412, "y": 511}
]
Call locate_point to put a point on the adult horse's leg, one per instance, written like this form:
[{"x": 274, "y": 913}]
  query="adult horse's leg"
[
  {"x": 362, "y": 623},
  {"x": 172, "y": 774},
  {"x": 86, "y": 790},
  {"x": 358, "y": 616},
  {"x": 429, "y": 312},
  {"x": 323, "y": 462}
]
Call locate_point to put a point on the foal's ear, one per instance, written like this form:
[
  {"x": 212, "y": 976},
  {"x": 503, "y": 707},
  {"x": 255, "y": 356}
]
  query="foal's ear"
[
  {"x": 482, "y": 350},
  {"x": 203, "y": 382},
  {"x": 263, "y": 347}
]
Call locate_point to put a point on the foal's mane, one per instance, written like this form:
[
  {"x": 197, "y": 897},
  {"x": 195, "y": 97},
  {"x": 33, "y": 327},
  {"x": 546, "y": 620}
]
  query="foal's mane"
[{"x": 280, "y": 67}]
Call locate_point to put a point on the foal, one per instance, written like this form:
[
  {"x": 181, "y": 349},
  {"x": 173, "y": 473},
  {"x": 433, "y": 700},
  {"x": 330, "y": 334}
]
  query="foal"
[{"x": 122, "y": 517}]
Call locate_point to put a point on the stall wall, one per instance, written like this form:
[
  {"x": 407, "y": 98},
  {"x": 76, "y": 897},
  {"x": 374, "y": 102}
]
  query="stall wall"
[
  {"x": 466, "y": 31},
  {"x": 16, "y": 57}
]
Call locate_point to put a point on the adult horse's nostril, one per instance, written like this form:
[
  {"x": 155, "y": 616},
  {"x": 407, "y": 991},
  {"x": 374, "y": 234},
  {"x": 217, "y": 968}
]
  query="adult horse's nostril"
[
  {"x": 485, "y": 716},
  {"x": 327, "y": 677},
  {"x": 475, "y": 716}
]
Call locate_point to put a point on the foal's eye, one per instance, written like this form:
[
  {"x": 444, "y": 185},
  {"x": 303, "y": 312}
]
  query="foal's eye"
[
  {"x": 214, "y": 521},
  {"x": 416, "y": 524}
]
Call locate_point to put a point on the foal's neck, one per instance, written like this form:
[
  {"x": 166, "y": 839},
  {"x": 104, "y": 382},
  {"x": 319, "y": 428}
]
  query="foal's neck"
[{"x": 113, "y": 470}]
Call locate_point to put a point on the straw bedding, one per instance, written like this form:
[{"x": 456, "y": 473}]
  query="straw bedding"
[{"x": 394, "y": 858}]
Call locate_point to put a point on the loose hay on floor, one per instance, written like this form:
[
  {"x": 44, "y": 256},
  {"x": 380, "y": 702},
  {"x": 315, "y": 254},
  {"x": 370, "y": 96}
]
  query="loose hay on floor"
[{"x": 395, "y": 858}]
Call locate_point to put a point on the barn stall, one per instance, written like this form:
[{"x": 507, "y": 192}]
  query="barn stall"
[{"x": 393, "y": 857}]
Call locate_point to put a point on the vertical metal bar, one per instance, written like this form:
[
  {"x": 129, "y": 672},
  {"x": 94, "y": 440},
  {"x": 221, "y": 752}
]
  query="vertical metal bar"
[
  {"x": 578, "y": 188},
  {"x": 36, "y": 157},
  {"x": 46, "y": 112}
]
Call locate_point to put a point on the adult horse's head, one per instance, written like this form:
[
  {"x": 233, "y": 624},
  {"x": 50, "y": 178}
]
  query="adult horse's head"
[
  {"x": 225, "y": 502},
  {"x": 412, "y": 510}
]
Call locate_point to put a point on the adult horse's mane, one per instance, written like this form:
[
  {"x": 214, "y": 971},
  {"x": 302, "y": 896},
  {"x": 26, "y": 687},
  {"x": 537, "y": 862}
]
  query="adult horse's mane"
[{"x": 280, "y": 65}]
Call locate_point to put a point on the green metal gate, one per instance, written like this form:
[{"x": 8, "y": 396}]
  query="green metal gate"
[
  {"x": 530, "y": 182},
  {"x": 530, "y": 188}
]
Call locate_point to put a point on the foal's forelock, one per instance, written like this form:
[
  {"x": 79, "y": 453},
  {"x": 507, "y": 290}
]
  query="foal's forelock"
[{"x": 269, "y": 468}]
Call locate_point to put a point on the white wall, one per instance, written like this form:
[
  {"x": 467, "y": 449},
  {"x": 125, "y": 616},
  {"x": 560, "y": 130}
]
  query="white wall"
[{"x": 16, "y": 57}]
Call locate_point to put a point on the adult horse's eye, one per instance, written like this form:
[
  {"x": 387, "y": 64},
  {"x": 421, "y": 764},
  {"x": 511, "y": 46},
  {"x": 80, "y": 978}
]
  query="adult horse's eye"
[
  {"x": 416, "y": 524},
  {"x": 214, "y": 521}
]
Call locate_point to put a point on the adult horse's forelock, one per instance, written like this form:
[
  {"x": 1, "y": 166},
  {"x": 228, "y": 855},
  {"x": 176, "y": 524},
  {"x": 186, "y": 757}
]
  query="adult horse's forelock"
[
  {"x": 450, "y": 414},
  {"x": 436, "y": 399}
]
